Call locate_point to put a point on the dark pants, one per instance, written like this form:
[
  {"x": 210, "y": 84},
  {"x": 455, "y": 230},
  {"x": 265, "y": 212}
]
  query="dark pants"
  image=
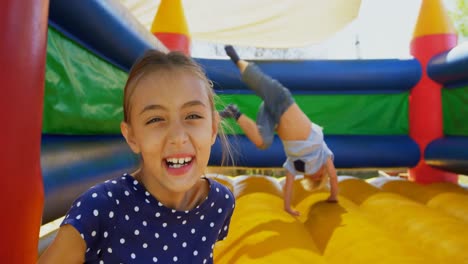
[{"x": 276, "y": 100}]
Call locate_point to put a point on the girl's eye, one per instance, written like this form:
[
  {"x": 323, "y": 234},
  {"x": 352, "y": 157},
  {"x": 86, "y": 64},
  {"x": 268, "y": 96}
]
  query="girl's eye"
[
  {"x": 194, "y": 116},
  {"x": 154, "y": 120}
]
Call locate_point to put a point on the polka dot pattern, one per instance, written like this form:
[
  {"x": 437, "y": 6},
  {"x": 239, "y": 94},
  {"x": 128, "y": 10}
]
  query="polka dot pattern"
[{"x": 121, "y": 222}]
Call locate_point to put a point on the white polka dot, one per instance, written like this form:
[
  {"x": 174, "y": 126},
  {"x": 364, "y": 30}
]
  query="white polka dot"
[
  {"x": 82, "y": 236},
  {"x": 78, "y": 217},
  {"x": 202, "y": 217},
  {"x": 127, "y": 193},
  {"x": 203, "y": 238},
  {"x": 109, "y": 250},
  {"x": 186, "y": 211},
  {"x": 174, "y": 258},
  {"x": 147, "y": 193},
  {"x": 157, "y": 214},
  {"x": 211, "y": 224},
  {"x": 226, "y": 196},
  {"x": 111, "y": 214},
  {"x": 133, "y": 256},
  {"x": 173, "y": 211},
  {"x": 114, "y": 182},
  {"x": 192, "y": 231},
  {"x": 95, "y": 212},
  {"x": 122, "y": 241},
  {"x": 94, "y": 195},
  {"x": 212, "y": 246},
  {"x": 174, "y": 235},
  {"x": 138, "y": 209},
  {"x": 134, "y": 188},
  {"x": 164, "y": 225},
  {"x": 78, "y": 204},
  {"x": 184, "y": 222},
  {"x": 155, "y": 259},
  {"x": 147, "y": 201},
  {"x": 156, "y": 235},
  {"x": 184, "y": 244},
  {"x": 165, "y": 247},
  {"x": 109, "y": 194},
  {"x": 105, "y": 234},
  {"x": 217, "y": 189},
  {"x": 101, "y": 262},
  {"x": 135, "y": 182},
  {"x": 93, "y": 234},
  {"x": 160, "y": 204},
  {"x": 212, "y": 204},
  {"x": 225, "y": 228},
  {"x": 137, "y": 232},
  {"x": 117, "y": 201},
  {"x": 144, "y": 223},
  {"x": 195, "y": 253},
  {"x": 88, "y": 250},
  {"x": 127, "y": 217},
  {"x": 220, "y": 210},
  {"x": 204, "y": 261},
  {"x": 179, "y": 217},
  {"x": 211, "y": 255},
  {"x": 145, "y": 245}
]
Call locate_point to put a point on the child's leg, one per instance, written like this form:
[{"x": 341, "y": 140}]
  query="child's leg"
[
  {"x": 277, "y": 98},
  {"x": 261, "y": 135},
  {"x": 251, "y": 130}
]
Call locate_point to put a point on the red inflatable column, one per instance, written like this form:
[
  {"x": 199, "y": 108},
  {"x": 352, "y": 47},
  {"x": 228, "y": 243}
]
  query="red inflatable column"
[
  {"x": 433, "y": 34},
  {"x": 23, "y": 34},
  {"x": 170, "y": 26}
]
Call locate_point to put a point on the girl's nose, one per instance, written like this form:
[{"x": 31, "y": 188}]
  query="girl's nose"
[{"x": 177, "y": 134}]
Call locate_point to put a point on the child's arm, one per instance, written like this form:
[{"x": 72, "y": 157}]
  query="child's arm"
[
  {"x": 67, "y": 247},
  {"x": 287, "y": 195},
  {"x": 333, "y": 181}
]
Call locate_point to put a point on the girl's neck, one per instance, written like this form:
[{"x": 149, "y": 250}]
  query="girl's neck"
[{"x": 181, "y": 201}]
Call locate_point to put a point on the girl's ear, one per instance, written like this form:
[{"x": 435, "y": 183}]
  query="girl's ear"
[
  {"x": 216, "y": 122},
  {"x": 129, "y": 136}
]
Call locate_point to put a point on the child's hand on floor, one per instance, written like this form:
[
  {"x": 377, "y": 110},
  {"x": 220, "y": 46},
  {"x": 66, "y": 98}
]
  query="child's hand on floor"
[
  {"x": 292, "y": 211},
  {"x": 332, "y": 199}
]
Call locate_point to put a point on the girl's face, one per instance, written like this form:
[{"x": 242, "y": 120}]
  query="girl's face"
[{"x": 173, "y": 127}]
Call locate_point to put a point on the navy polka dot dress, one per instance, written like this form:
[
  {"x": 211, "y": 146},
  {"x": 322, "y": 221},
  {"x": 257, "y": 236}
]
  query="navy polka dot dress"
[{"x": 122, "y": 223}]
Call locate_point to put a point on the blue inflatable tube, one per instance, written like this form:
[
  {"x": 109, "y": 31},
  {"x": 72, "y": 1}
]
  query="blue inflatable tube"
[
  {"x": 103, "y": 27},
  {"x": 448, "y": 153},
  {"x": 451, "y": 67},
  {"x": 349, "y": 151},
  {"x": 323, "y": 76},
  {"x": 72, "y": 164}
]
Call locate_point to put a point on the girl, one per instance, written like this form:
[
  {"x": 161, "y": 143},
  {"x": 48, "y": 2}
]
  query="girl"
[
  {"x": 166, "y": 211},
  {"x": 306, "y": 152}
]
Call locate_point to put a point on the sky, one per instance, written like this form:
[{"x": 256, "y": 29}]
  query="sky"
[{"x": 384, "y": 29}]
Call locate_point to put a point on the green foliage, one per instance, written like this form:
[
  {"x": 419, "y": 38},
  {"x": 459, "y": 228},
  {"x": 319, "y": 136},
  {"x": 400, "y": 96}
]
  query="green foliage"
[{"x": 460, "y": 17}]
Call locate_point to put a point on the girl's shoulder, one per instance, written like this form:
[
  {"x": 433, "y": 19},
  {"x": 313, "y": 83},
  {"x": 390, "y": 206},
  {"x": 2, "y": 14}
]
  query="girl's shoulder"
[
  {"x": 108, "y": 190},
  {"x": 221, "y": 192}
]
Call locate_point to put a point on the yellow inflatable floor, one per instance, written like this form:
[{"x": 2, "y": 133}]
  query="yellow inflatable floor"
[{"x": 373, "y": 222}]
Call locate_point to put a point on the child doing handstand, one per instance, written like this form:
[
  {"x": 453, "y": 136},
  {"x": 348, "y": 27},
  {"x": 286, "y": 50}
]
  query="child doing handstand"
[{"x": 307, "y": 153}]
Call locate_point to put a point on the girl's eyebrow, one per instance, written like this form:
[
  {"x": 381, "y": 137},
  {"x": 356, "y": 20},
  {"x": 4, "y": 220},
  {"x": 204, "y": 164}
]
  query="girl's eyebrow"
[{"x": 160, "y": 107}]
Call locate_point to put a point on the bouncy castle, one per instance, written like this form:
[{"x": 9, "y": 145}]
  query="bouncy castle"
[{"x": 64, "y": 68}]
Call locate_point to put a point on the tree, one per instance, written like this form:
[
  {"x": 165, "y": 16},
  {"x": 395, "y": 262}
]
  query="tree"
[{"x": 460, "y": 17}]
